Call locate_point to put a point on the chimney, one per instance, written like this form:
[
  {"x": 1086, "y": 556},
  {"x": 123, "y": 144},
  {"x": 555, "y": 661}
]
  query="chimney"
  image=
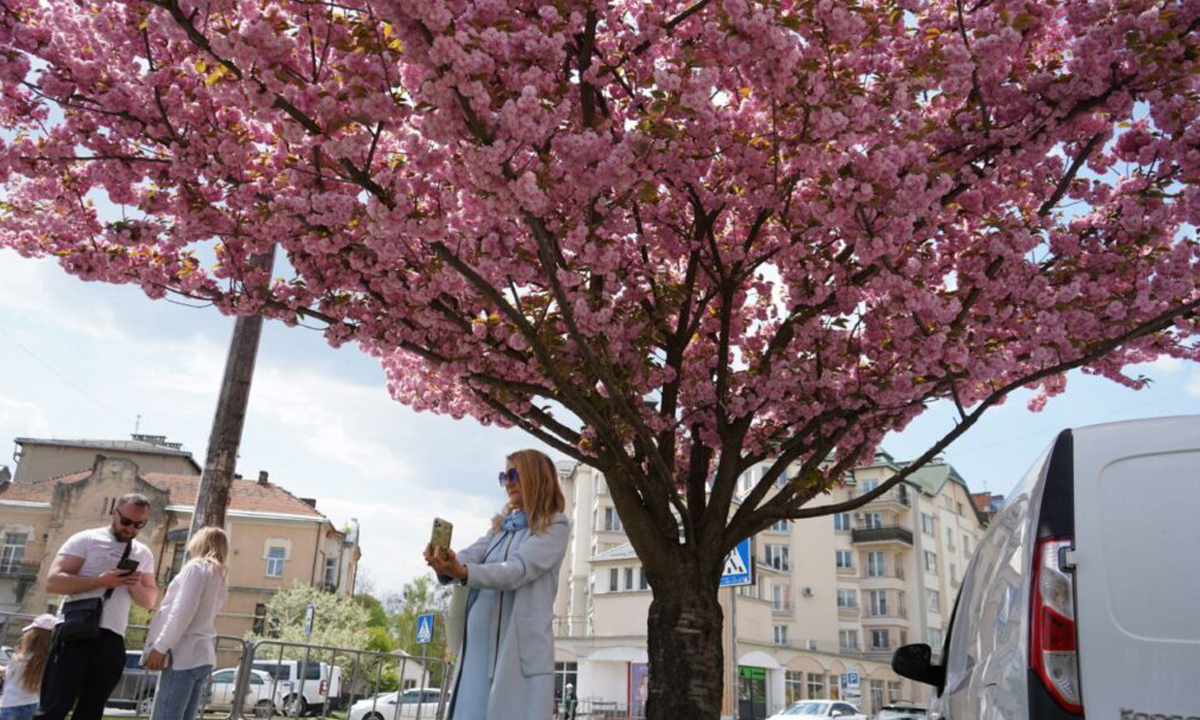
[
  {"x": 311, "y": 502},
  {"x": 262, "y": 477}
]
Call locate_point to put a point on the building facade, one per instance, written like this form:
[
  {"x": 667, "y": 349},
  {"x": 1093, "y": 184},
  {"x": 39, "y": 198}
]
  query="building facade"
[
  {"x": 276, "y": 538},
  {"x": 38, "y": 459},
  {"x": 833, "y": 595}
]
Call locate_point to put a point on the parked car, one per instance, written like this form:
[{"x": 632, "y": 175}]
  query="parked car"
[
  {"x": 6, "y": 654},
  {"x": 900, "y": 712},
  {"x": 322, "y": 683},
  {"x": 1080, "y": 600},
  {"x": 414, "y": 703},
  {"x": 135, "y": 689},
  {"x": 812, "y": 709},
  {"x": 223, "y": 683}
]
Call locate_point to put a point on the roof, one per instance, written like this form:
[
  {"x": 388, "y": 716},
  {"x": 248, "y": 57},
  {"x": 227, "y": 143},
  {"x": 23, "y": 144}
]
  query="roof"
[
  {"x": 623, "y": 551},
  {"x": 245, "y": 495},
  {"x": 126, "y": 446}
]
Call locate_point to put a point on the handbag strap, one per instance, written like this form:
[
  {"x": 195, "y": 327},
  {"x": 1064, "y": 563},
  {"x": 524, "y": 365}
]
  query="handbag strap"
[{"x": 124, "y": 556}]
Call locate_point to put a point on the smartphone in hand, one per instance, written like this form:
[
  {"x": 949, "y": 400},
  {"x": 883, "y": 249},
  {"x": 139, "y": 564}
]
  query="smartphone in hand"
[
  {"x": 128, "y": 566},
  {"x": 440, "y": 539}
]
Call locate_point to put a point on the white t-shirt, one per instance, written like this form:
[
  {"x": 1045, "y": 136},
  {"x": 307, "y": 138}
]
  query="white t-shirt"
[
  {"x": 15, "y": 694},
  {"x": 101, "y": 551}
]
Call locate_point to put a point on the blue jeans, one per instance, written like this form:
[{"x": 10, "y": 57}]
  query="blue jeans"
[
  {"x": 20, "y": 712},
  {"x": 178, "y": 694}
]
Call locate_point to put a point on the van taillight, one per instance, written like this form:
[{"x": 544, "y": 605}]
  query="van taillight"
[{"x": 1052, "y": 648}]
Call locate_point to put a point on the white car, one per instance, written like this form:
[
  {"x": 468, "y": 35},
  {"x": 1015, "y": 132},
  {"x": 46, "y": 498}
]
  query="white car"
[
  {"x": 813, "y": 709},
  {"x": 322, "y": 684},
  {"x": 258, "y": 692},
  {"x": 1081, "y": 598},
  {"x": 414, "y": 703}
]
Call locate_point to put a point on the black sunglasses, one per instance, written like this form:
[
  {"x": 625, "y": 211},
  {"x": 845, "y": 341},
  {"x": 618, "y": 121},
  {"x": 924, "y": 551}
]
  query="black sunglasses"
[
  {"x": 507, "y": 476},
  {"x": 138, "y": 524}
]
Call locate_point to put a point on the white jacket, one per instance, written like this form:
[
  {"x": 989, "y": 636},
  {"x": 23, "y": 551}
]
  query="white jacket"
[{"x": 185, "y": 622}]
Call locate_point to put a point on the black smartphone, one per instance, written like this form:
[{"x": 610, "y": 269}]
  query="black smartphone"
[{"x": 128, "y": 565}]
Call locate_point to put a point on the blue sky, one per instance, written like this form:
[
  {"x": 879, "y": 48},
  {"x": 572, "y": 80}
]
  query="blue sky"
[{"x": 86, "y": 359}]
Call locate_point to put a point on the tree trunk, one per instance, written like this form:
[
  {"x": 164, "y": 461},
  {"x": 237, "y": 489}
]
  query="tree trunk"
[{"x": 686, "y": 655}]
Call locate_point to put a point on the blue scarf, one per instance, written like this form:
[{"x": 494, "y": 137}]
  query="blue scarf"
[{"x": 516, "y": 520}]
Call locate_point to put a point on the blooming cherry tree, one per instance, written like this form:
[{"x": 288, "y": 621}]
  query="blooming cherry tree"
[{"x": 669, "y": 239}]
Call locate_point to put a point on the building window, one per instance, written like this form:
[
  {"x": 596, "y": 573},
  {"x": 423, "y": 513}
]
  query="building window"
[
  {"x": 953, "y": 573},
  {"x": 601, "y": 485},
  {"x": 847, "y": 598},
  {"x": 331, "y": 573},
  {"x": 614, "y": 579},
  {"x": 612, "y": 521},
  {"x": 927, "y": 524},
  {"x": 876, "y": 694},
  {"x": 178, "y": 556},
  {"x": 565, "y": 673},
  {"x": 893, "y": 689},
  {"x": 13, "y": 552},
  {"x": 959, "y": 506},
  {"x": 779, "y": 634},
  {"x": 872, "y": 520},
  {"x": 935, "y": 600},
  {"x": 629, "y": 578},
  {"x": 877, "y": 603},
  {"x": 260, "y": 620},
  {"x": 966, "y": 545},
  {"x": 841, "y": 522},
  {"x": 848, "y": 639},
  {"x": 845, "y": 559},
  {"x": 876, "y": 567},
  {"x": 275, "y": 558},
  {"x": 782, "y": 526},
  {"x": 778, "y": 556},
  {"x": 935, "y": 639},
  {"x": 781, "y": 598},
  {"x": 869, "y": 485},
  {"x": 793, "y": 686},
  {"x": 816, "y": 686},
  {"x": 931, "y": 562},
  {"x": 950, "y": 539},
  {"x": 880, "y": 640}
]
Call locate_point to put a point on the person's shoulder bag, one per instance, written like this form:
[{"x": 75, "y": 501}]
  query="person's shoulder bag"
[{"x": 81, "y": 618}]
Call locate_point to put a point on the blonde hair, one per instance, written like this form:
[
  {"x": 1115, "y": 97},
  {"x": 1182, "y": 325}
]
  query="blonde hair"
[
  {"x": 541, "y": 494},
  {"x": 210, "y": 544},
  {"x": 34, "y": 651}
]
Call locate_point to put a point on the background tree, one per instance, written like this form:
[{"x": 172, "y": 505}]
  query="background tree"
[
  {"x": 669, "y": 239},
  {"x": 419, "y": 596}
]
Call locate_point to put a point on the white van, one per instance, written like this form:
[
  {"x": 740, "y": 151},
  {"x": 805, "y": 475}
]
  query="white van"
[
  {"x": 322, "y": 684},
  {"x": 1082, "y": 598}
]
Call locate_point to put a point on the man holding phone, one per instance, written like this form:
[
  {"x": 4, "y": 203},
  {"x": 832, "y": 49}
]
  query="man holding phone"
[{"x": 107, "y": 563}]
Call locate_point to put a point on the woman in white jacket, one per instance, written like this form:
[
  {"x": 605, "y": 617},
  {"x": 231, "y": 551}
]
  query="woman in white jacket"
[{"x": 182, "y": 634}]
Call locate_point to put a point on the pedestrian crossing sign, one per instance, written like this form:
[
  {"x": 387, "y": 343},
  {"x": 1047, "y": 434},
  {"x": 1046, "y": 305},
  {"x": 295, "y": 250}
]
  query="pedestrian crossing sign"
[
  {"x": 739, "y": 566},
  {"x": 425, "y": 628}
]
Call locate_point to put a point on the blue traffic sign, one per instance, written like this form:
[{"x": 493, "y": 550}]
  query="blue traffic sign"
[
  {"x": 425, "y": 628},
  {"x": 739, "y": 566}
]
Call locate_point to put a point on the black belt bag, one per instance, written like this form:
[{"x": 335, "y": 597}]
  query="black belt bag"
[{"x": 81, "y": 618}]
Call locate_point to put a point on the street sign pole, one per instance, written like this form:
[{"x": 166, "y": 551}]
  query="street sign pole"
[
  {"x": 739, "y": 571},
  {"x": 734, "y": 689}
]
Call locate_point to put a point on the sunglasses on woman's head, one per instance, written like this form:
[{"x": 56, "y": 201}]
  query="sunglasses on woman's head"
[
  {"x": 138, "y": 524},
  {"x": 507, "y": 476}
]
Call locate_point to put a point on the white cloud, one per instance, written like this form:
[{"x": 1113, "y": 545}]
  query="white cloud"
[
  {"x": 27, "y": 290},
  {"x": 21, "y": 418},
  {"x": 1193, "y": 385}
]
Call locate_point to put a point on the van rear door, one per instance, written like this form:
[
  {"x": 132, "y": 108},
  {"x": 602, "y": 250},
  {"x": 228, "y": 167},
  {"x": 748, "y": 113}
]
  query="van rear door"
[{"x": 1137, "y": 573}]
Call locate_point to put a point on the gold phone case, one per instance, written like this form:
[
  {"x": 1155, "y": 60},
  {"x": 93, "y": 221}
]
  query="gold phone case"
[{"x": 442, "y": 531}]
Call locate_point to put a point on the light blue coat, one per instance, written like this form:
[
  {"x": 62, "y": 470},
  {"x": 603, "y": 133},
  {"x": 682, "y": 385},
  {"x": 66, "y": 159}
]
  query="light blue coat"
[{"x": 522, "y": 669}]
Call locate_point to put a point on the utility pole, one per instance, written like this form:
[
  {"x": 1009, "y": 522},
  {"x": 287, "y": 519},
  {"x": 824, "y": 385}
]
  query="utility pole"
[{"x": 230, "y": 417}]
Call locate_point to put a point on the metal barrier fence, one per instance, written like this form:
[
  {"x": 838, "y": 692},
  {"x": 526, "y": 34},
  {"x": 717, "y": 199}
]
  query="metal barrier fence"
[{"x": 270, "y": 678}]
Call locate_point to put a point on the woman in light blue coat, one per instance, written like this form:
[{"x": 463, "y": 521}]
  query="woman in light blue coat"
[{"x": 506, "y": 656}]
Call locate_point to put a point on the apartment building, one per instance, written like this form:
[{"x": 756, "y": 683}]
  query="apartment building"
[
  {"x": 276, "y": 538},
  {"x": 832, "y": 594}
]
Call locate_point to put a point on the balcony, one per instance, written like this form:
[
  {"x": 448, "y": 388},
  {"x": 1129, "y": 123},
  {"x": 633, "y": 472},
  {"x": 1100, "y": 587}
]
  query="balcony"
[
  {"x": 882, "y": 535},
  {"x": 886, "y": 613},
  {"x": 20, "y": 570},
  {"x": 876, "y": 653},
  {"x": 777, "y": 563},
  {"x": 893, "y": 573},
  {"x": 782, "y": 608},
  {"x": 848, "y": 613},
  {"x": 574, "y": 626},
  {"x": 896, "y": 497}
]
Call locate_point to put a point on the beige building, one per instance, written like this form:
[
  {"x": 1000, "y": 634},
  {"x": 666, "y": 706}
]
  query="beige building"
[
  {"x": 276, "y": 538},
  {"x": 38, "y": 459},
  {"x": 833, "y": 595}
]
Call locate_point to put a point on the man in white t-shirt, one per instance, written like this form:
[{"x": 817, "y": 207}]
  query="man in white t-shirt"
[{"x": 81, "y": 674}]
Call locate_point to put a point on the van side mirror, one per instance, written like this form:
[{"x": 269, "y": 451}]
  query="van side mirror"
[{"x": 915, "y": 663}]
